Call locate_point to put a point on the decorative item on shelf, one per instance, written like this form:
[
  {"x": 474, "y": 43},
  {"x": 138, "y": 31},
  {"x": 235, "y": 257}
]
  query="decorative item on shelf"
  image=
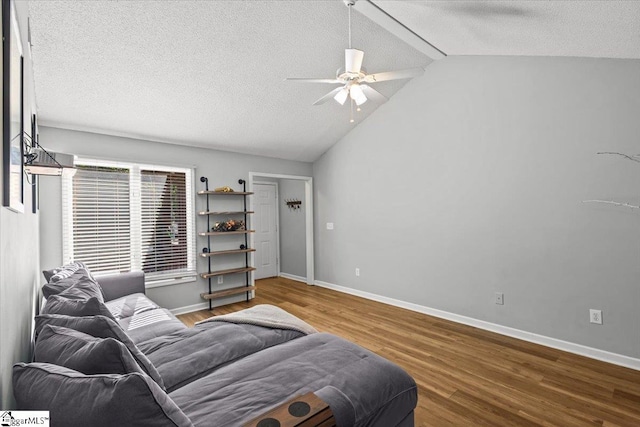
[
  {"x": 228, "y": 225},
  {"x": 225, "y": 189},
  {"x": 293, "y": 204}
]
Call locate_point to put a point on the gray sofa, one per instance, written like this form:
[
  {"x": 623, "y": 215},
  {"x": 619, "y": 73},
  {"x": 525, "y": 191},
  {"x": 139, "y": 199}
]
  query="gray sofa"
[{"x": 105, "y": 355}]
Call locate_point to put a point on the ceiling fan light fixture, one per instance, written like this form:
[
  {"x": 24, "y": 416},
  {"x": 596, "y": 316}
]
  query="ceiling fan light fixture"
[
  {"x": 341, "y": 96},
  {"x": 353, "y": 60},
  {"x": 357, "y": 94},
  {"x": 353, "y": 78}
]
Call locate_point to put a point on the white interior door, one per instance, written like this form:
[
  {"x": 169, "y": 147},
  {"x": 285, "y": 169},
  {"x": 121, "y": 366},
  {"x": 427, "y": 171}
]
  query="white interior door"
[{"x": 266, "y": 235}]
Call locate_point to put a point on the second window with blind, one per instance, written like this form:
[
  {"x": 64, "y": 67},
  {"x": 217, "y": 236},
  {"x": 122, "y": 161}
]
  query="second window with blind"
[{"x": 120, "y": 217}]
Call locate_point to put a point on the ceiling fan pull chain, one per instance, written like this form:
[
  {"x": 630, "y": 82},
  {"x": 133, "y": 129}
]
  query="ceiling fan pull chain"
[
  {"x": 349, "y": 7},
  {"x": 351, "y": 104}
]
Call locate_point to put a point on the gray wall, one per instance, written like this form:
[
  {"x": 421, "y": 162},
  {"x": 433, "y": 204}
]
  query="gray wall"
[
  {"x": 222, "y": 168},
  {"x": 293, "y": 256},
  {"x": 469, "y": 181},
  {"x": 18, "y": 256}
]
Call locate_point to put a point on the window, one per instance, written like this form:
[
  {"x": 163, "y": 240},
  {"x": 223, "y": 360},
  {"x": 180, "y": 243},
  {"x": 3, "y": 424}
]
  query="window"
[{"x": 119, "y": 217}]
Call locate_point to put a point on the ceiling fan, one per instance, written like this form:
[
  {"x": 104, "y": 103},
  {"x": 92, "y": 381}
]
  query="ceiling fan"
[{"x": 353, "y": 78}]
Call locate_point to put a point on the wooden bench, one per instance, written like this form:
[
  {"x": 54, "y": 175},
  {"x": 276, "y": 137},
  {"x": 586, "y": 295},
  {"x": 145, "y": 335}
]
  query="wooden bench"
[{"x": 304, "y": 411}]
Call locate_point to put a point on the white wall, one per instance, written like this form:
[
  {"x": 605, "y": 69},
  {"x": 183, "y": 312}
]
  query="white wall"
[
  {"x": 222, "y": 168},
  {"x": 18, "y": 255},
  {"x": 469, "y": 181}
]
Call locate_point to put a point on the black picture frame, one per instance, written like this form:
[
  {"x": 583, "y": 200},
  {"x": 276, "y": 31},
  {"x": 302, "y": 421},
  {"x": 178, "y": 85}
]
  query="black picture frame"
[
  {"x": 13, "y": 110},
  {"x": 35, "y": 195}
]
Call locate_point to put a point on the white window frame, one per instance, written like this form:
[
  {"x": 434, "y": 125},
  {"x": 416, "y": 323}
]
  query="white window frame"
[{"x": 154, "y": 279}]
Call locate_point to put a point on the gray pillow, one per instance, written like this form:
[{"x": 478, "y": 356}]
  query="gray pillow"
[
  {"x": 49, "y": 273},
  {"x": 82, "y": 289},
  {"x": 57, "y": 304},
  {"x": 68, "y": 270},
  {"x": 50, "y": 289},
  {"x": 100, "y": 327},
  {"x": 77, "y": 400},
  {"x": 83, "y": 353},
  {"x": 60, "y": 286}
]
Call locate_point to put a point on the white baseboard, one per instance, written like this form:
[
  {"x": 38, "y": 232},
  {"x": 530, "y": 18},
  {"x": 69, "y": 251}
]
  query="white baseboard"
[
  {"x": 294, "y": 277},
  {"x": 189, "y": 308},
  {"x": 204, "y": 305},
  {"x": 582, "y": 350}
]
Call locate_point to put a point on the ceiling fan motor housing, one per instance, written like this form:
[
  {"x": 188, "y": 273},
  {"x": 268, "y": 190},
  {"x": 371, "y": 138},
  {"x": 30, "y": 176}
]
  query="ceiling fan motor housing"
[{"x": 348, "y": 77}]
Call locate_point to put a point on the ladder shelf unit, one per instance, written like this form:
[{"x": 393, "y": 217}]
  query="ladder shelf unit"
[{"x": 208, "y": 253}]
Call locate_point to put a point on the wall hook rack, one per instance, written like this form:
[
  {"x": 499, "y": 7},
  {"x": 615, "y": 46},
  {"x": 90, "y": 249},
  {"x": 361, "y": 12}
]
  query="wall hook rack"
[{"x": 293, "y": 204}]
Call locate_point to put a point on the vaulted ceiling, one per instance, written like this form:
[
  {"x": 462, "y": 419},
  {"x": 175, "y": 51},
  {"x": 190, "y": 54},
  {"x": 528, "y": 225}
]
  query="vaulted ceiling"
[
  {"x": 587, "y": 28},
  {"x": 211, "y": 73}
]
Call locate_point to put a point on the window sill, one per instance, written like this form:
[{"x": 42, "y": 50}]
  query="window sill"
[{"x": 170, "y": 281}]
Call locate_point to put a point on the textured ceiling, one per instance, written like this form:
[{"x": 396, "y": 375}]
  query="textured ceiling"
[
  {"x": 205, "y": 73},
  {"x": 591, "y": 28},
  {"x": 211, "y": 73}
]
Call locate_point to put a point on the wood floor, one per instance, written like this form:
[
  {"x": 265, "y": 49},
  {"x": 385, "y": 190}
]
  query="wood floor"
[{"x": 466, "y": 376}]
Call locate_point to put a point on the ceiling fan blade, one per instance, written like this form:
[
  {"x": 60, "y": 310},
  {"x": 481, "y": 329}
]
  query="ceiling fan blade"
[
  {"x": 328, "y": 96},
  {"x": 305, "y": 80},
  {"x": 353, "y": 60},
  {"x": 393, "y": 75},
  {"x": 373, "y": 94}
]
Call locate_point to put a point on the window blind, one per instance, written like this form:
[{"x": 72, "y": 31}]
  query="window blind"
[
  {"x": 119, "y": 217},
  {"x": 164, "y": 222},
  {"x": 101, "y": 218}
]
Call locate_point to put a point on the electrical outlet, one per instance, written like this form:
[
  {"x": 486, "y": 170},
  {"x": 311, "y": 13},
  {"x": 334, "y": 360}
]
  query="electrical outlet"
[
  {"x": 595, "y": 316},
  {"x": 499, "y": 298},
  {"x": 357, "y": 272},
  {"x": 329, "y": 226},
  {"x": 220, "y": 280}
]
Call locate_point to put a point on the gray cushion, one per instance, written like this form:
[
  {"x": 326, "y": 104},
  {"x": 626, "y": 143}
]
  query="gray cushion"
[
  {"x": 49, "y": 273},
  {"x": 122, "y": 284},
  {"x": 81, "y": 275},
  {"x": 83, "y": 288},
  {"x": 83, "y": 353},
  {"x": 74, "y": 399},
  {"x": 76, "y": 307},
  {"x": 150, "y": 324},
  {"x": 68, "y": 270},
  {"x": 130, "y": 305},
  {"x": 380, "y": 393},
  {"x": 99, "y": 327},
  {"x": 183, "y": 357}
]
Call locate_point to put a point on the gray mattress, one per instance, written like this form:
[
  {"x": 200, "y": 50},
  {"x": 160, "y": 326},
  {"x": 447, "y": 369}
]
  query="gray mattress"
[
  {"x": 380, "y": 393},
  {"x": 150, "y": 324},
  {"x": 189, "y": 354}
]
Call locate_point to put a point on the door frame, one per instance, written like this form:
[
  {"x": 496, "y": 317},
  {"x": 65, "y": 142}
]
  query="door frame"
[
  {"x": 277, "y": 218},
  {"x": 254, "y": 177}
]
